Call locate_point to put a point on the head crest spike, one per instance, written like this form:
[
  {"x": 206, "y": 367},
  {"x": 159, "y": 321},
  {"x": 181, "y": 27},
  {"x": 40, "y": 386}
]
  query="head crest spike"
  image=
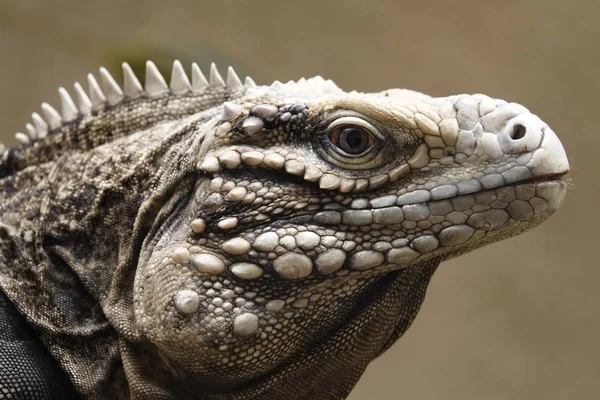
[
  {"x": 67, "y": 105},
  {"x": 249, "y": 82},
  {"x": 155, "y": 83},
  {"x": 31, "y": 132},
  {"x": 112, "y": 90},
  {"x": 131, "y": 85},
  {"x": 21, "y": 137},
  {"x": 83, "y": 101},
  {"x": 52, "y": 116},
  {"x": 199, "y": 82},
  {"x": 96, "y": 95},
  {"x": 276, "y": 85},
  {"x": 180, "y": 83},
  {"x": 215, "y": 79},
  {"x": 233, "y": 80},
  {"x": 41, "y": 127}
]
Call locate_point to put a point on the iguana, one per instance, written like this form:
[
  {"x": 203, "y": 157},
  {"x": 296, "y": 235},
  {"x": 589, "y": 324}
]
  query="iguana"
[{"x": 215, "y": 239}]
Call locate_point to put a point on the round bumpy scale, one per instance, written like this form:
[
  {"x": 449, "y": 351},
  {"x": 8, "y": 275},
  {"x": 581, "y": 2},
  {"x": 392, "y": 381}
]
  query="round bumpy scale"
[
  {"x": 187, "y": 302},
  {"x": 455, "y": 235},
  {"x": 228, "y": 223},
  {"x": 198, "y": 225},
  {"x": 274, "y": 161},
  {"x": 264, "y": 110},
  {"x": 366, "y": 259},
  {"x": 266, "y": 241},
  {"x": 207, "y": 264},
  {"x": 236, "y": 246},
  {"x": 293, "y": 266},
  {"x": 401, "y": 255},
  {"x": 181, "y": 254},
  {"x": 307, "y": 240},
  {"x": 275, "y": 306},
  {"x": 245, "y": 325},
  {"x": 330, "y": 261},
  {"x": 245, "y": 270},
  {"x": 252, "y": 125}
]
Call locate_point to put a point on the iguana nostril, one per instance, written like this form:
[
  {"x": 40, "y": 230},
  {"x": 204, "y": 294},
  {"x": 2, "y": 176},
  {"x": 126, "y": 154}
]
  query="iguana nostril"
[
  {"x": 522, "y": 134},
  {"x": 518, "y": 132}
]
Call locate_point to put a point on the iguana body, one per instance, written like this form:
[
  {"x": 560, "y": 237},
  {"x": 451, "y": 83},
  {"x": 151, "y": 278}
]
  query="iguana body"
[{"x": 218, "y": 240}]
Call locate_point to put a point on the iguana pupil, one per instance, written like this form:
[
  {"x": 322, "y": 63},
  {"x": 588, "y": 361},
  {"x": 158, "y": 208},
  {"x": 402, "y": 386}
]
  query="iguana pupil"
[{"x": 353, "y": 140}]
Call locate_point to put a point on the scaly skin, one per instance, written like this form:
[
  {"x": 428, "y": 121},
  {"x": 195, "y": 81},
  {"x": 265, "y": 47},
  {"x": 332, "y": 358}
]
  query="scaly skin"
[{"x": 214, "y": 241}]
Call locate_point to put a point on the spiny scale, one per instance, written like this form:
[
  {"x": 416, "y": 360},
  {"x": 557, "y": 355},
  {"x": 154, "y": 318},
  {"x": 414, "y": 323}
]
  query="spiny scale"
[
  {"x": 83, "y": 101},
  {"x": 131, "y": 85},
  {"x": 41, "y": 127},
  {"x": 31, "y": 130},
  {"x": 215, "y": 79},
  {"x": 113, "y": 92},
  {"x": 199, "y": 82},
  {"x": 67, "y": 105},
  {"x": 180, "y": 84},
  {"x": 108, "y": 92},
  {"x": 52, "y": 116},
  {"x": 96, "y": 96},
  {"x": 233, "y": 81},
  {"x": 155, "y": 83}
]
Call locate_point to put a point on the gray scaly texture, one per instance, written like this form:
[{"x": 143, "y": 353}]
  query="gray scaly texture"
[{"x": 215, "y": 239}]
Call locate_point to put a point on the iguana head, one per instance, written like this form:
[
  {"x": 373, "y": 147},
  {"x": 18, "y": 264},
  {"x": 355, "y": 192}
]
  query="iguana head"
[
  {"x": 306, "y": 195},
  {"x": 294, "y": 219}
]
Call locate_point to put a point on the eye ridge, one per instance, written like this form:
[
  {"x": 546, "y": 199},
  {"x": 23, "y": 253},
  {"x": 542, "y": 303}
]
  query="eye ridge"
[{"x": 353, "y": 140}]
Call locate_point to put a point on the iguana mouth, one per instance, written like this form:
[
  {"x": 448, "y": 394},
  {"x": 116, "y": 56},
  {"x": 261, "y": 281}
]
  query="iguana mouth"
[
  {"x": 561, "y": 177},
  {"x": 303, "y": 217}
]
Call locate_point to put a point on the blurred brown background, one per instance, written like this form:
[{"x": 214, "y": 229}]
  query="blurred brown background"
[{"x": 517, "y": 320}]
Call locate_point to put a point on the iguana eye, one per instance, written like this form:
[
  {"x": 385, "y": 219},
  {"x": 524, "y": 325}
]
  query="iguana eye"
[{"x": 351, "y": 137}]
